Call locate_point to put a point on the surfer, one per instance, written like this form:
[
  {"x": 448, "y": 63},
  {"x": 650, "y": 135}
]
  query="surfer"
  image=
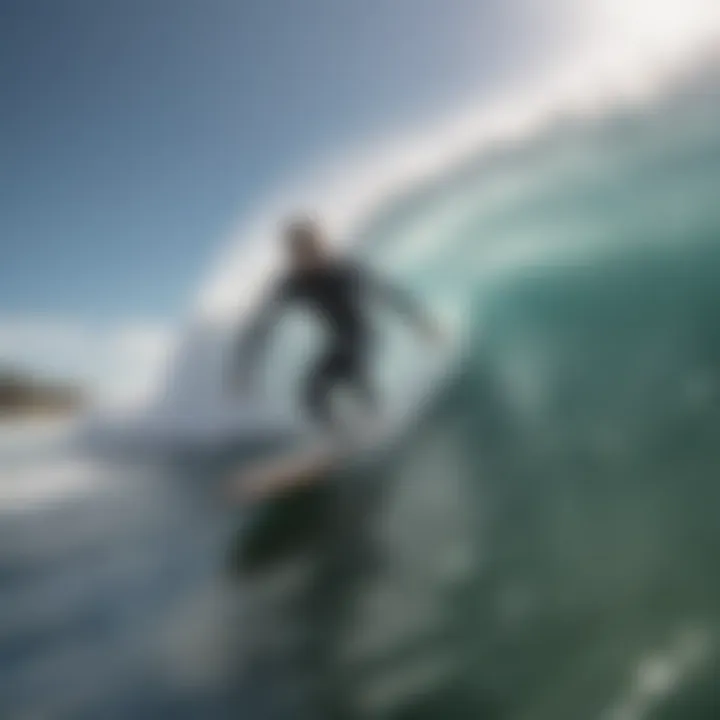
[{"x": 338, "y": 292}]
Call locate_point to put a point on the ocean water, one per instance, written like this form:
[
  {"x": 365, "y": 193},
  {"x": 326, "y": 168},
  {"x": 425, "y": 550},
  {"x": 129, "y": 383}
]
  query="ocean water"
[{"x": 539, "y": 544}]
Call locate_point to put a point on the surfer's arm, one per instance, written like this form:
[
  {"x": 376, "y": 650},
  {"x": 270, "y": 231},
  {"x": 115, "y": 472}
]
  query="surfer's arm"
[
  {"x": 403, "y": 302},
  {"x": 253, "y": 340}
]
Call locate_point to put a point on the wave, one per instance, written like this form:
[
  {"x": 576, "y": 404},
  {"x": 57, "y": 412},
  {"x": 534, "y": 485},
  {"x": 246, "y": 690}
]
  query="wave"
[
  {"x": 546, "y": 171},
  {"x": 627, "y": 58},
  {"x": 641, "y": 174}
]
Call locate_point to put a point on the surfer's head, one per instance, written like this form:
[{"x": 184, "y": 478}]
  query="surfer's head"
[{"x": 305, "y": 243}]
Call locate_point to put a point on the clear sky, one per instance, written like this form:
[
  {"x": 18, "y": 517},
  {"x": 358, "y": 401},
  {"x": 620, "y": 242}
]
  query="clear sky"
[{"x": 135, "y": 133}]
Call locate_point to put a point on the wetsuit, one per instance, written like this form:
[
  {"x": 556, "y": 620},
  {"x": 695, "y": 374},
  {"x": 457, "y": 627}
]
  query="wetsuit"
[{"x": 338, "y": 295}]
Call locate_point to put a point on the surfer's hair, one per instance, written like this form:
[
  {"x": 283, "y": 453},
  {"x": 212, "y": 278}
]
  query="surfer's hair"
[{"x": 301, "y": 231}]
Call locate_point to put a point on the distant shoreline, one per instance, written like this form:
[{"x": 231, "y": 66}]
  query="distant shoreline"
[
  {"x": 23, "y": 396},
  {"x": 39, "y": 413}
]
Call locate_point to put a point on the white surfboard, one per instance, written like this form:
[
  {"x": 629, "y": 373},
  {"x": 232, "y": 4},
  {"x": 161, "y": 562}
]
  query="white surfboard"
[
  {"x": 281, "y": 474},
  {"x": 304, "y": 465}
]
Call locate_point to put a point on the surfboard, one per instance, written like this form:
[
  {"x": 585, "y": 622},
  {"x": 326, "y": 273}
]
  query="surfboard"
[
  {"x": 276, "y": 524},
  {"x": 307, "y": 464},
  {"x": 285, "y": 502},
  {"x": 279, "y": 475}
]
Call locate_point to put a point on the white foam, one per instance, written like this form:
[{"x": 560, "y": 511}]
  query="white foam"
[{"x": 37, "y": 484}]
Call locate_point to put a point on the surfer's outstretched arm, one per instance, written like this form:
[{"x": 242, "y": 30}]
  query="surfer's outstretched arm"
[
  {"x": 253, "y": 340},
  {"x": 404, "y": 303}
]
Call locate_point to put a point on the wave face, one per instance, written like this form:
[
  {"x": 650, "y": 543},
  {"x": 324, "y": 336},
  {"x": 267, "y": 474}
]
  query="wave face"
[
  {"x": 547, "y": 531},
  {"x": 642, "y": 177}
]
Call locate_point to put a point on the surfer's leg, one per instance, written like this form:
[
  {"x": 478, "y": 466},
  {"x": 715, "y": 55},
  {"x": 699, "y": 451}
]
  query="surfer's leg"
[
  {"x": 318, "y": 389},
  {"x": 343, "y": 365},
  {"x": 317, "y": 397},
  {"x": 359, "y": 380}
]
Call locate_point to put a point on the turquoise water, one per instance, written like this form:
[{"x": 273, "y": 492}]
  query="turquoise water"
[
  {"x": 540, "y": 545},
  {"x": 546, "y": 535}
]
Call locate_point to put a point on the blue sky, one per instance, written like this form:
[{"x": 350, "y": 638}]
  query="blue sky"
[{"x": 135, "y": 133}]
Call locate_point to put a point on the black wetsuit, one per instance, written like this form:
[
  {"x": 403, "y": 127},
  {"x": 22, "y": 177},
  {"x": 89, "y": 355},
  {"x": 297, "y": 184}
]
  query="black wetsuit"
[{"x": 338, "y": 295}]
